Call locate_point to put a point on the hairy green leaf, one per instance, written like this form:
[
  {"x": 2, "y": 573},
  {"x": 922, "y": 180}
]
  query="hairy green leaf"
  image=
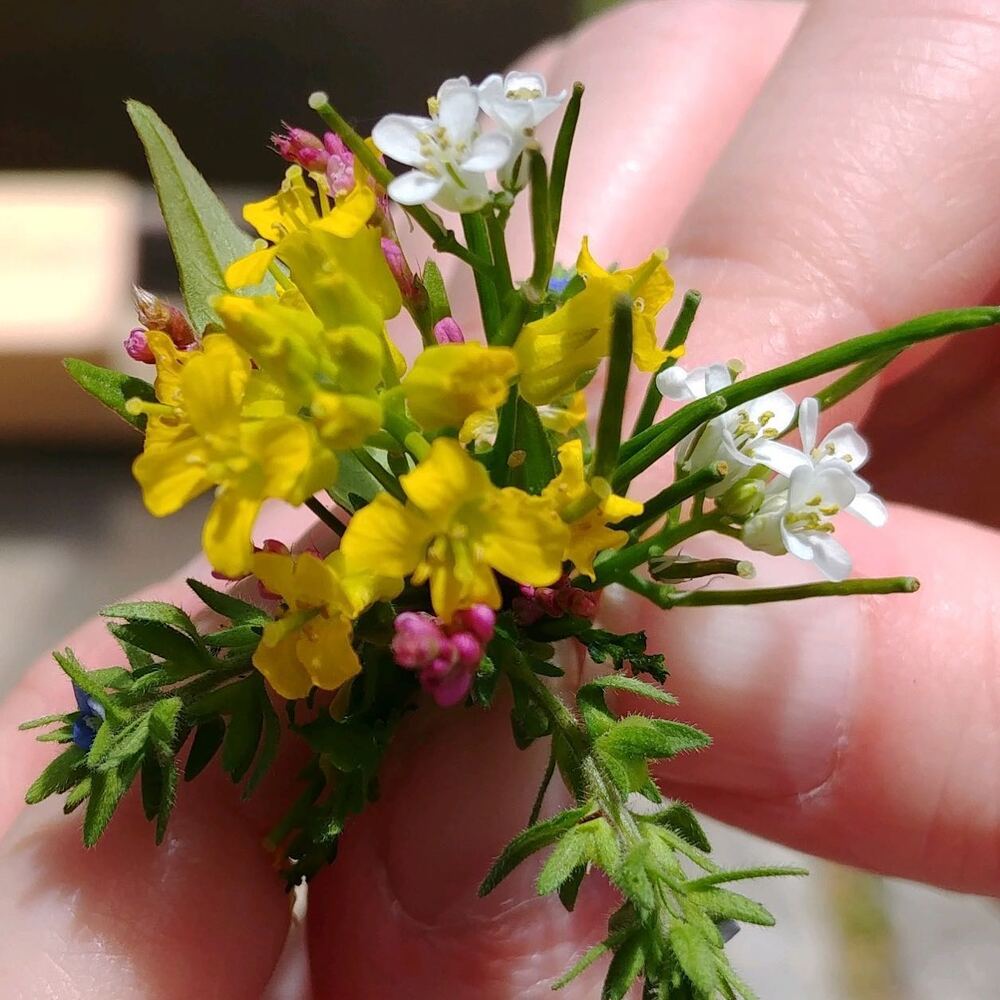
[
  {"x": 152, "y": 611},
  {"x": 571, "y": 851},
  {"x": 86, "y": 682},
  {"x": 682, "y": 820},
  {"x": 168, "y": 796},
  {"x": 60, "y": 774},
  {"x": 638, "y": 737},
  {"x": 437, "y": 294},
  {"x": 237, "y": 611},
  {"x": 631, "y": 685},
  {"x": 113, "y": 389},
  {"x": 625, "y": 968},
  {"x": 720, "y": 904},
  {"x": 239, "y": 746},
  {"x": 207, "y": 740},
  {"x": 183, "y": 653},
  {"x": 106, "y": 791},
  {"x": 696, "y": 956},
  {"x": 77, "y": 795},
  {"x": 269, "y": 742},
  {"x": 739, "y": 874},
  {"x": 623, "y": 649},
  {"x": 527, "y": 843},
  {"x": 205, "y": 240}
]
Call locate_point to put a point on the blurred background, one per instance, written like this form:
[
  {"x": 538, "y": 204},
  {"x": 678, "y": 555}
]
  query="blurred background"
[{"x": 81, "y": 224}]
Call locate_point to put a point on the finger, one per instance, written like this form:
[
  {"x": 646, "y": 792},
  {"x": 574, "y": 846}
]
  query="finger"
[
  {"x": 201, "y": 915},
  {"x": 862, "y": 729}
]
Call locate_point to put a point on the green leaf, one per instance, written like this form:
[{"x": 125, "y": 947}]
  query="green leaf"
[
  {"x": 682, "y": 820},
  {"x": 582, "y": 964},
  {"x": 527, "y": 843},
  {"x": 572, "y": 851},
  {"x": 237, "y": 611},
  {"x": 60, "y": 774},
  {"x": 113, "y": 389},
  {"x": 152, "y": 611},
  {"x": 631, "y": 685},
  {"x": 45, "y": 720},
  {"x": 637, "y": 737},
  {"x": 624, "y": 649},
  {"x": 205, "y": 240},
  {"x": 61, "y": 735},
  {"x": 696, "y": 957},
  {"x": 86, "y": 682},
  {"x": 111, "y": 747},
  {"x": 77, "y": 795},
  {"x": 720, "y": 904},
  {"x": 163, "y": 718},
  {"x": 632, "y": 877},
  {"x": 188, "y": 656},
  {"x": 625, "y": 968},
  {"x": 355, "y": 485},
  {"x": 538, "y": 468},
  {"x": 738, "y": 874},
  {"x": 239, "y": 746},
  {"x": 207, "y": 740},
  {"x": 269, "y": 742},
  {"x": 151, "y": 785},
  {"x": 437, "y": 294},
  {"x": 106, "y": 791},
  {"x": 238, "y": 637},
  {"x": 570, "y": 889},
  {"x": 350, "y": 745},
  {"x": 168, "y": 796}
]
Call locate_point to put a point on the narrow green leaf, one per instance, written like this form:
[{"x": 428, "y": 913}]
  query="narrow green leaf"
[
  {"x": 682, "y": 820},
  {"x": 570, "y": 889},
  {"x": 152, "y": 611},
  {"x": 204, "y": 238},
  {"x": 61, "y": 773},
  {"x": 113, "y": 746},
  {"x": 350, "y": 746},
  {"x": 720, "y": 904},
  {"x": 113, "y": 389},
  {"x": 168, "y": 797},
  {"x": 625, "y": 968},
  {"x": 570, "y": 852},
  {"x": 237, "y": 611},
  {"x": 242, "y": 738},
  {"x": 636, "y": 736},
  {"x": 163, "y": 719},
  {"x": 739, "y": 874},
  {"x": 632, "y": 877},
  {"x": 77, "y": 795},
  {"x": 151, "y": 784},
  {"x": 538, "y": 468},
  {"x": 86, "y": 682},
  {"x": 161, "y": 640},
  {"x": 207, "y": 740},
  {"x": 106, "y": 792},
  {"x": 355, "y": 485},
  {"x": 45, "y": 720},
  {"x": 238, "y": 637},
  {"x": 61, "y": 735},
  {"x": 631, "y": 685},
  {"x": 269, "y": 743},
  {"x": 696, "y": 957},
  {"x": 582, "y": 964},
  {"x": 527, "y": 843}
]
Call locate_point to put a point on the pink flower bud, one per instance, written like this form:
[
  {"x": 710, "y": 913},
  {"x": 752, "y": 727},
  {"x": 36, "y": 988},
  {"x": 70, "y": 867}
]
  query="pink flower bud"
[
  {"x": 155, "y": 314},
  {"x": 480, "y": 620},
  {"x": 339, "y": 164},
  {"x": 399, "y": 267},
  {"x": 418, "y": 641},
  {"x": 451, "y": 689},
  {"x": 583, "y": 603},
  {"x": 468, "y": 650},
  {"x": 447, "y": 331},
  {"x": 137, "y": 347},
  {"x": 297, "y": 145}
]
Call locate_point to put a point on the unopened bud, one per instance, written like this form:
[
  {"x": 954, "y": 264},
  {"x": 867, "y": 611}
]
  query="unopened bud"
[
  {"x": 137, "y": 347},
  {"x": 339, "y": 165},
  {"x": 156, "y": 314},
  {"x": 447, "y": 331},
  {"x": 743, "y": 498},
  {"x": 480, "y": 620},
  {"x": 297, "y": 145},
  {"x": 399, "y": 267}
]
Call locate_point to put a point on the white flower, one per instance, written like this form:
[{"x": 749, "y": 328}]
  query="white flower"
[
  {"x": 735, "y": 436},
  {"x": 518, "y": 103},
  {"x": 448, "y": 152},
  {"x": 843, "y": 445},
  {"x": 797, "y": 517}
]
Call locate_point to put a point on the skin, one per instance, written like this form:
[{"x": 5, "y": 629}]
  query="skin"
[{"x": 856, "y": 188}]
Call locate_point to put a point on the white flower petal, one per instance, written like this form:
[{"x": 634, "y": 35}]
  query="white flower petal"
[
  {"x": 398, "y": 137},
  {"x": 808, "y": 422},
  {"x": 847, "y": 444},
  {"x": 414, "y": 188},
  {"x": 458, "y": 108},
  {"x": 762, "y": 533},
  {"x": 489, "y": 152},
  {"x": 673, "y": 384},
  {"x": 778, "y": 457},
  {"x": 831, "y": 558},
  {"x": 796, "y": 542},
  {"x": 471, "y": 195},
  {"x": 516, "y": 80},
  {"x": 779, "y": 405},
  {"x": 870, "y": 508},
  {"x": 715, "y": 377}
]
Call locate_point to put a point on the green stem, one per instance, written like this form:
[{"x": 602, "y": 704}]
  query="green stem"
[
  {"x": 536, "y": 807},
  {"x": 677, "y": 492},
  {"x": 842, "y": 387},
  {"x": 516, "y": 312},
  {"x": 609, "y": 424},
  {"x": 653, "y": 443},
  {"x": 698, "y": 568},
  {"x": 380, "y": 473},
  {"x": 474, "y": 227},
  {"x": 444, "y": 239},
  {"x": 504, "y": 441},
  {"x": 407, "y": 433},
  {"x": 326, "y": 516},
  {"x": 560, "y": 158},
  {"x": 541, "y": 226},
  {"x": 676, "y": 338},
  {"x": 799, "y": 592},
  {"x": 498, "y": 248}
]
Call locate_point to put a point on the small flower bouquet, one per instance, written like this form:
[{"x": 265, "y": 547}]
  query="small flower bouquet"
[{"x": 477, "y": 500}]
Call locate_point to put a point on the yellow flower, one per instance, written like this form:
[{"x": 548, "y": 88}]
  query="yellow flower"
[
  {"x": 456, "y": 530},
  {"x": 220, "y": 424},
  {"x": 291, "y": 210},
  {"x": 311, "y": 645},
  {"x": 564, "y": 416},
  {"x": 589, "y": 534},
  {"x": 450, "y": 382},
  {"x": 331, "y": 373},
  {"x": 555, "y": 351}
]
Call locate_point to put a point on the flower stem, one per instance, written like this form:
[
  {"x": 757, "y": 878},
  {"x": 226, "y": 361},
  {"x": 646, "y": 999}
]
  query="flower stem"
[
  {"x": 541, "y": 226},
  {"x": 380, "y": 473},
  {"x": 677, "y": 492},
  {"x": 498, "y": 247},
  {"x": 650, "y": 445},
  {"x": 326, "y": 516},
  {"x": 609, "y": 425},
  {"x": 676, "y": 338},
  {"x": 560, "y": 157},
  {"x": 474, "y": 227},
  {"x": 799, "y": 592}
]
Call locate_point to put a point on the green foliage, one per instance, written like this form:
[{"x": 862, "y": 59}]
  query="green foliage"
[
  {"x": 437, "y": 294},
  {"x": 625, "y": 649},
  {"x": 205, "y": 240},
  {"x": 113, "y": 389},
  {"x": 531, "y": 444}
]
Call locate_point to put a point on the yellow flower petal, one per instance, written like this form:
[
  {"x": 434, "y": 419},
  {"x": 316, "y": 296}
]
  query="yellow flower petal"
[
  {"x": 525, "y": 538},
  {"x": 447, "y": 478},
  {"x": 324, "y": 649},
  {"x": 386, "y": 537},
  {"x": 171, "y": 475},
  {"x": 350, "y": 214},
  {"x": 212, "y": 386},
  {"x": 225, "y": 537},
  {"x": 279, "y": 663},
  {"x": 345, "y": 421},
  {"x": 249, "y": 270}
]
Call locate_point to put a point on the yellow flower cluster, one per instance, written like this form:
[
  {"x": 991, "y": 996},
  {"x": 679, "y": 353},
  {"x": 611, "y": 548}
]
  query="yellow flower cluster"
[{"x": 260, "y": 408}]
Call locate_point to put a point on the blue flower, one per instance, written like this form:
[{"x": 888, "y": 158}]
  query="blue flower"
[
  {"x": 91, "y": 716},
  {"x": 558, "y": 283}
]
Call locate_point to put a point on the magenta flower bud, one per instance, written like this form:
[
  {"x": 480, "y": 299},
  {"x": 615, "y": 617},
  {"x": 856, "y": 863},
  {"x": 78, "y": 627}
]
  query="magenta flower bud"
[
  {"x": 418, "y": 640},
  {"x": 297, "y": 145},
  {"x": 137, "y": 347},
  {"x": 451, "y": 689},
  {"x": 399, "y": 267},
  {"x": 583, "y": 603},
  {"x": 468, "y": 650},
  {"x": 155, "y": 314},
  {"x": 339, "y": 164},
  {"x": 447, "y": 331},
  {"x": 480, "y": 620}
]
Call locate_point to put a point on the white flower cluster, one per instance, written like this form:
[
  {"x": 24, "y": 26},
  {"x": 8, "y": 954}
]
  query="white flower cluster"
[
  {"x": 793, "y": 512},
  {"x": 448, "y": 151}
]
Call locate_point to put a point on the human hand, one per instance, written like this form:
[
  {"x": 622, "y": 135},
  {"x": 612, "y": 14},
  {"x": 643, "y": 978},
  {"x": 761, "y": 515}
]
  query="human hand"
[{"x": 859, "y": 190}]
